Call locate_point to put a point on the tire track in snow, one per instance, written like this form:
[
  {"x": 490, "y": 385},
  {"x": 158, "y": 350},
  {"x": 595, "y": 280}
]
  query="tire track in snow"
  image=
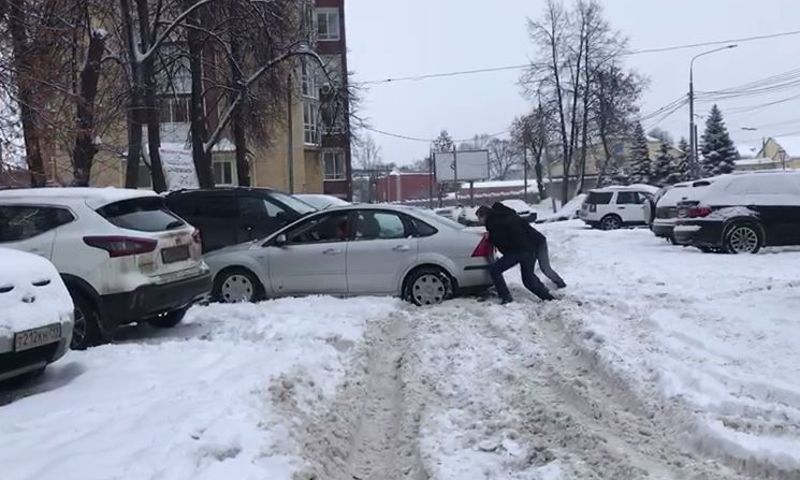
[{"x": 370, "y": 431}]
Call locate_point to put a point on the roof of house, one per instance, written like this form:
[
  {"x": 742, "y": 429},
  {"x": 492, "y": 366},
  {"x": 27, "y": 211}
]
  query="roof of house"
[{"x": 791, "y": 144}]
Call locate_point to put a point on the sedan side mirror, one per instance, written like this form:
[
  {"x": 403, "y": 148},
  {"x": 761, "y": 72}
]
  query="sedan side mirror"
[{"x": 280, "y": 240}]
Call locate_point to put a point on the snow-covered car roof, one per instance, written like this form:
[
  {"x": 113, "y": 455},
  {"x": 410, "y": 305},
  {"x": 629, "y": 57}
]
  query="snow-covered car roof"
[
  {"x": 32, "y": 293},
  {"x": 94, "y": 197},
  {"x": 517, "y": 205},
  {"x": 628, "y": 188}
]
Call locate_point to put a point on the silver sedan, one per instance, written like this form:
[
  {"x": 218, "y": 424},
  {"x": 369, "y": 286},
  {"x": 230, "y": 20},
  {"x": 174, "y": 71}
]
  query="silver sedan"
[{"x": 357, "y": 250}]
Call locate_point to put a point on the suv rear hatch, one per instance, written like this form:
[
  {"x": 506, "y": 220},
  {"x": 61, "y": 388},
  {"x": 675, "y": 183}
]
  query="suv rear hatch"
[
  {"x": 593, "y": 199},
  {"x": 153, "y": 240}
]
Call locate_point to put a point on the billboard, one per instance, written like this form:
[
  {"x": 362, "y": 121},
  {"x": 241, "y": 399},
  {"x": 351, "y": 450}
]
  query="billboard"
[{"x": 463, "y": 165}]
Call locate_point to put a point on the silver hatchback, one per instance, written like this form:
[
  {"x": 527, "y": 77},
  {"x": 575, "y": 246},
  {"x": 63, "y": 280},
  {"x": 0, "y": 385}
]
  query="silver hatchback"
[{"x": 357, "y": 250}]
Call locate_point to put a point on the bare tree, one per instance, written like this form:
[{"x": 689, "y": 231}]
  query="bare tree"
[
  {"x": 614, "y": 111},
  {"x": 369, "y": 155},
  {"x": 531, "y": 132},
  {"x": 502, "y": 157},
  {"x": 574, "y": 45}
]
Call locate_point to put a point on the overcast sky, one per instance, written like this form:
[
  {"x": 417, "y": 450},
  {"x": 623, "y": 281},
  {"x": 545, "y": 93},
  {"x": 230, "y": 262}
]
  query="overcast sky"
[{"x": 411, "y": 37}]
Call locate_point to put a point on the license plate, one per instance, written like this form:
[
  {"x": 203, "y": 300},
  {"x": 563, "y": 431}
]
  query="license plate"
[
  {"x": 175, "y": 254},
  {"x": 37, "y": 337}
]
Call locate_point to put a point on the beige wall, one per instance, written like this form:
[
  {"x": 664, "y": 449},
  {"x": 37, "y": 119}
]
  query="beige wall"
[{"x": 271, "y": 164}]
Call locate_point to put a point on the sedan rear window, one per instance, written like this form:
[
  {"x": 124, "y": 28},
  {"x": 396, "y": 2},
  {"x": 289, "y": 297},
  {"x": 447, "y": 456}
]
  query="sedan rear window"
[
  {"x": 432, "y": 217},
  {"x": 599, "y": 198},
  {"x": 148, "y": 214}
]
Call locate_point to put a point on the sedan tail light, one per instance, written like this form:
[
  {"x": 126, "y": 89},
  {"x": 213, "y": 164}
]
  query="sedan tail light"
[
  {"x": 118, "y": 246},
  {"x": 484, "y": 248},
  {"x": 699, "y": 212},
  {"x": 196, "y": 236}
]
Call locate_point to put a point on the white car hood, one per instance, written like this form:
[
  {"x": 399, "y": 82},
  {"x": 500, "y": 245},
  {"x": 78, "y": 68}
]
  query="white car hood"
[{"x": 32, "y": 293}]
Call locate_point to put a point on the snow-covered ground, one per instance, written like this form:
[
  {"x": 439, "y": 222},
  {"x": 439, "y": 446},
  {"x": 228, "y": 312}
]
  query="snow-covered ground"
[
  {"x": 658, "y": 362},
  {"x": 202, "y": 401}
]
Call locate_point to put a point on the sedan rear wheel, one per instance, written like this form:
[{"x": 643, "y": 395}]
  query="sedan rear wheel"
[
  {"x": 428, "y": 286},
  {"x": 743, "y": 238}
]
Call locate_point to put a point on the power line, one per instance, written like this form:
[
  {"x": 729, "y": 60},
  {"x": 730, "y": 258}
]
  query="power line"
[
  {"x": 427, "y": 140},
  {"x": 527, "y": 65}
]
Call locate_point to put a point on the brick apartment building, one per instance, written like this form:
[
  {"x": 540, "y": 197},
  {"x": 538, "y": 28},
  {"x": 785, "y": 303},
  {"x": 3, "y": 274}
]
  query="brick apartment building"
[{"x": 308, "y": 153}]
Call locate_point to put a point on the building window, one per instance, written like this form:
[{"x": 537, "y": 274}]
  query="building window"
[
  {"x": 223, "y": 173},
  {"x": 311, "y": 123},
  {"x": 335, "y": 167},
  {"x": 328, "y": 24},
  {"x": 332, "y": 114},
  {"x": 308, "y": 79},
  {"x": 175, "y": 109}
]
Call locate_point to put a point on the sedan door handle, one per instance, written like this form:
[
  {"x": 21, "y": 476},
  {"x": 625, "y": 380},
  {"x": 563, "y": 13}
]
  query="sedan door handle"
[
  {"x": 401, "y": 248},
  {"x": 331, "y": 251},
  {"x": 621, "y": 208}
]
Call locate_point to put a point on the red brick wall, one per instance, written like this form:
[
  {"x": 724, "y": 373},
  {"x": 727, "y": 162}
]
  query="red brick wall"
[{"x": 411, "y": 186}]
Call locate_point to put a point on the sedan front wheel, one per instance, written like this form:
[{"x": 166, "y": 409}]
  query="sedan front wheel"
[{"x": 236, "y": 286}]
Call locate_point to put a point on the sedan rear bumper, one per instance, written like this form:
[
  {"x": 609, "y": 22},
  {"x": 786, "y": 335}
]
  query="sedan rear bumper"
[{"x": 699, "y": 234}]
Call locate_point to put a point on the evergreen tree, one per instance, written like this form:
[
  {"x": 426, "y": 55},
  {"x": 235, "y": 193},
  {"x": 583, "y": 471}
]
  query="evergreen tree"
[
  {"x": 719, "y": 154},
  {"x": 684, "y": 168},
  {"x": 639, "y": 157},
  {"x": 443, "y": 143},
  {"x": 664, "y": 168}
]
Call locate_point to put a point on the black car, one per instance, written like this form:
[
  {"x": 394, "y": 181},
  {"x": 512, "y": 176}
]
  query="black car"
[
  {"x": 227, "y": 216},
  {"x": 741, "y": 213}
]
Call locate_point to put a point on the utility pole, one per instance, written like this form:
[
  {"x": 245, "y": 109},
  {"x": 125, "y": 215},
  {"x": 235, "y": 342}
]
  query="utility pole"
[
  {"x": 693, "y": 161},
  {"x": 455, "y": 171}
]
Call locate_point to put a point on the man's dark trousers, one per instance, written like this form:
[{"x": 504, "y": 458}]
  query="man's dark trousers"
[{"x": 526, "y": 261}]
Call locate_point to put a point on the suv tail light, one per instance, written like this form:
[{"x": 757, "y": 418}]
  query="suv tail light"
[
  {"x": 484, "y": 248},
  {"x": 699, "y": 212},
  {"x": 117, "y": 246}
]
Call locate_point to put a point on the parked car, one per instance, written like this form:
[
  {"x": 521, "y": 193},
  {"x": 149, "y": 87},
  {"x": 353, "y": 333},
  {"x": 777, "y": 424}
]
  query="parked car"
[
  {"x": 229, "y": 216},
  {"x": 357, "y": 250},
  {"x": 741, "y": 213},
  {"x": 463, "y": 215},
  {"x": 37, "y": 316},
  {"x": 666, "y": 211},
  {"x": 122, "y": 254},
  {"x": 321, "y": 202},
  {"x": 523, "y": 209},
  {"x": 611, "y": 208}
]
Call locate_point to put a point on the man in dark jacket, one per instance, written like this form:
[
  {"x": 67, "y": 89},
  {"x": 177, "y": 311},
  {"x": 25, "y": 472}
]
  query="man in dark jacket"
[{"x": 520, "y": 244}]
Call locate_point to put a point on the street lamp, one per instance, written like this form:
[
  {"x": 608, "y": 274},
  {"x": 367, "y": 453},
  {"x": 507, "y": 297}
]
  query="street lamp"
[{"x": 692, "y": 128}]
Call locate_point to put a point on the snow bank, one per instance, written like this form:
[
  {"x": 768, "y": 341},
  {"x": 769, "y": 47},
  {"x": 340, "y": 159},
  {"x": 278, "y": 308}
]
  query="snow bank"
[
  {"x": 201, "y": 401},
  {"x": 715, "y": 333},
  {"x": 567, "y": 212},
  {"x": 32, "y": 293}
]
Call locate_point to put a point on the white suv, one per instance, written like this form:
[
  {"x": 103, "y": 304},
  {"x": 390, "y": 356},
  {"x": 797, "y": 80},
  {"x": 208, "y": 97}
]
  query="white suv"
[
  {"x": 611, "y": 208},
  {"x": 122, "y": 254}
]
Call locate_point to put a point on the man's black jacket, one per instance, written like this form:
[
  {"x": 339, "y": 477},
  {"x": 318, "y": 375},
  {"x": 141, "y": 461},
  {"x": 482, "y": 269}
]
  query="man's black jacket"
[{"x": 510, "y": 233}]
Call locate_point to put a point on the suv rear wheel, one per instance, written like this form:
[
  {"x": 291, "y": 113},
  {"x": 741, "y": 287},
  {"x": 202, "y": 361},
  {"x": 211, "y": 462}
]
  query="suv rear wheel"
[
  {"x": 611, "y": 222},
  {"x": 86, "y": 331},
  {"x": 744, "y": 237}
]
